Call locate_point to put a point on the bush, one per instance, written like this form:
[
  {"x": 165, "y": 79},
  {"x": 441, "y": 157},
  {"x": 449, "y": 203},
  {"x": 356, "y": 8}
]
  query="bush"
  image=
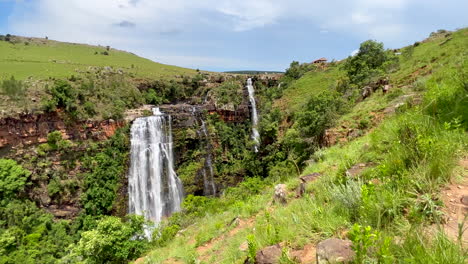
[
  {"x": 13, "y": 88},
  {"x": 297, "y": 70},
  {"x": 367, "y": 63},
  {"x": 63, "y": 96},
  {"x": 112, "y": 241},
  {"x": 104, "y": 169},
  {"x": 13, "y": 178}
]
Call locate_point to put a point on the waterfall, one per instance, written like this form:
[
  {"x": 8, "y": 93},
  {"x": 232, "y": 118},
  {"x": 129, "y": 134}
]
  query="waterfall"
[
  {"x": 208, "y": 176},
  {"x": 255, "y": 134},
  {"x": 154, "y": 190}
]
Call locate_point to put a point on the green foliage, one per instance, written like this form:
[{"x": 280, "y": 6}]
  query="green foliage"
[
  {"x": 196, "y": 205},
  {"x": 228, "y": 93},
  {"x": 363, "y": 239},
  {"x": 252, "y": 248},
  {"x": 164, "y": 234},
  {"x": 29, "y": 235},
  {"x": 56, "y": 142},
  {"x": 297, "y": 70},
  {"x": 420, "y": 248},
  {"x": 63, "y": 96},
  {"x": 13, "y": 178},
  {"x": 105, "y": 168},
  {"x": 367, "y": 63},
  {"x": 113, "y": 241},
  {"x": 446, "y": 98},
  {"x": 13, "y": 88},
  {"x": 317, "y": 115}
]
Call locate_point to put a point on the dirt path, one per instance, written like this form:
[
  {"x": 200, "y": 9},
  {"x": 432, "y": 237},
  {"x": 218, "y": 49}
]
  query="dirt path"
[
  {"x": 455, "y": 198},
  {"x": 204, "y": 250}
]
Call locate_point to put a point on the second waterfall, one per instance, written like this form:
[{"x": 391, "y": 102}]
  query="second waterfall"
[
  {"x": 154, "y": 189},
  {"x": 255, "y": 134}
]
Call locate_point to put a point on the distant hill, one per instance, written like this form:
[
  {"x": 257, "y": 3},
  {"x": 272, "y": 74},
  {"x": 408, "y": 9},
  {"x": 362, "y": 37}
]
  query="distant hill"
[
  {"x": 24, "y": 57},
  {"x": 254, "y": 72}
]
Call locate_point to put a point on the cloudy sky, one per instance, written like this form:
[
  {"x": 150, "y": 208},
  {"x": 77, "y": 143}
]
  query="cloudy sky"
[{"x": 224, "y": 35}]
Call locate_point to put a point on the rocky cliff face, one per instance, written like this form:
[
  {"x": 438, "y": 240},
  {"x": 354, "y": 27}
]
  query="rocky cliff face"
[{"x": 27, "y": 129}]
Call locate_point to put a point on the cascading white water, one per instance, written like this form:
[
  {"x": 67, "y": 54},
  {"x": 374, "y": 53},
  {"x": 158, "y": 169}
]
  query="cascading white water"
[
  {"x": 208, "y": 180},
  {"x": 255, "y": 134},
  {"x": 154, "y": 190}
]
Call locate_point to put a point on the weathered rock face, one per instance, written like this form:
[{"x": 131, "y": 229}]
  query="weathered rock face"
[
  {"x": 269, "y": 255},
  {"x": 29, "y": 129},
  {"x": 334, "y": 250},
  {"x": 281, "y": 193}
]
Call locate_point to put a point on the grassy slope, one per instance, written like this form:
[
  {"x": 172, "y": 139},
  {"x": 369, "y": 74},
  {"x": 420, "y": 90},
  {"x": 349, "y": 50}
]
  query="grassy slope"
[
  {"x": 321, "y": 214},
  {"x": 312, "y": 82},
  {"x": 44, "y": 58}
]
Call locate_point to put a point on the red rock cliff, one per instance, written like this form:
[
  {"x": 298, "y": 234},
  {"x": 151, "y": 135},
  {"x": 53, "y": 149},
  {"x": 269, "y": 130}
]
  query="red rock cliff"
[{"x": 33, "y": 128}]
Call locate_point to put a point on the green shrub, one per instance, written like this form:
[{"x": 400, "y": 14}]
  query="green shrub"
[
  {"x": 112, "y": 241},
  {"x": 13, "y": 179},
  {"x": 369, "y": 62},
  {"x": 63, "y": 96},
  {"x": 252, "y": 248},
  {"x": 104, "y": 170},
  {"x": 164, "y": 234},
  {"x": 297, "y": 70},
  {"x": 13, "y": 88}
]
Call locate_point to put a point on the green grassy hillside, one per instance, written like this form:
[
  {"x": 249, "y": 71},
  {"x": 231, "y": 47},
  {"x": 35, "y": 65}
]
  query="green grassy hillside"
[
  {"x": 40, "y": 58},
  {"x": 381, "y": 188}
]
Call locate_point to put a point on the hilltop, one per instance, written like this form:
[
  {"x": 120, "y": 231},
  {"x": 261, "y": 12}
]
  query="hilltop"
[{"x": 37, "y": 58}]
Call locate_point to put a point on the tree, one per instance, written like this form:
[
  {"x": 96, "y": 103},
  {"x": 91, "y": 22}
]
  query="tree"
[
  {"x": 112, "y": 241},
  {"x": 12, "y": 178},
  {"x": 368, "y": 62}
]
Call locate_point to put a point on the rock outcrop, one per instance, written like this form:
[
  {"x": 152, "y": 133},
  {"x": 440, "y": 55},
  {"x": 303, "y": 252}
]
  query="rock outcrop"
[
  {"x": 334, "y": 250},
  {"x": 29, "y": 129},
  {"x": 269, "y": 255}
]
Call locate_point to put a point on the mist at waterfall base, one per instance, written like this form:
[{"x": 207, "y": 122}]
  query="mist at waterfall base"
[
  {"x": 255, "y": 134},
  {"x": 154, "y": 190}
]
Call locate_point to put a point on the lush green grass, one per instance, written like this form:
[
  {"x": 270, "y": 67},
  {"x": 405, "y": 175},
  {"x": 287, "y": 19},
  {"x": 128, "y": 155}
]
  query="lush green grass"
[{"x": 42, "y": 59}]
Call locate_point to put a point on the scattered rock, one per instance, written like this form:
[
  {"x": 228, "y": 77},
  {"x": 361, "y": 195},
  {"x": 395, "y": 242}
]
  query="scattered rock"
[
  {"x": 334, "y": 250},
  {"x": 464, "y": 200},
  {"x": 269, "y": 255},
  {"x": 280, "y": 193},
  {"x": 305, "y": 180},
  {"x": 356, "y": 170},
  {"x": 366, "y": 92},
  {"x": 310, "y": 177}
]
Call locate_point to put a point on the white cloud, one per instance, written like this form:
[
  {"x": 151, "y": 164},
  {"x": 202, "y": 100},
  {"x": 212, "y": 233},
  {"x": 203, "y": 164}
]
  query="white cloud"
[
  {"x": 158, "y": 23},
  {"x": 359, "y": 18}
]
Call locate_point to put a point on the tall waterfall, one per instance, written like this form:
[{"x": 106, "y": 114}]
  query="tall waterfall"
[
  {"x": 209, "y": 187},
  {"x": 255, "y": 134},
  {"x": 154, "y": 190}
]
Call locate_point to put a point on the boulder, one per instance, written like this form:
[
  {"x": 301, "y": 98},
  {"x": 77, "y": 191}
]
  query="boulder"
[
  {"x": 280, "y": 193},
  {"x": 356, "y": 170},
  {"x": 269, "y": 255},
  {"x": 366, "y": 92},
  {"x": 310, "y": 177},
  {"x": 464, "y": 200},
  {"x": 305, "y": 180},
  {"x": 334, "y": 250}
]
